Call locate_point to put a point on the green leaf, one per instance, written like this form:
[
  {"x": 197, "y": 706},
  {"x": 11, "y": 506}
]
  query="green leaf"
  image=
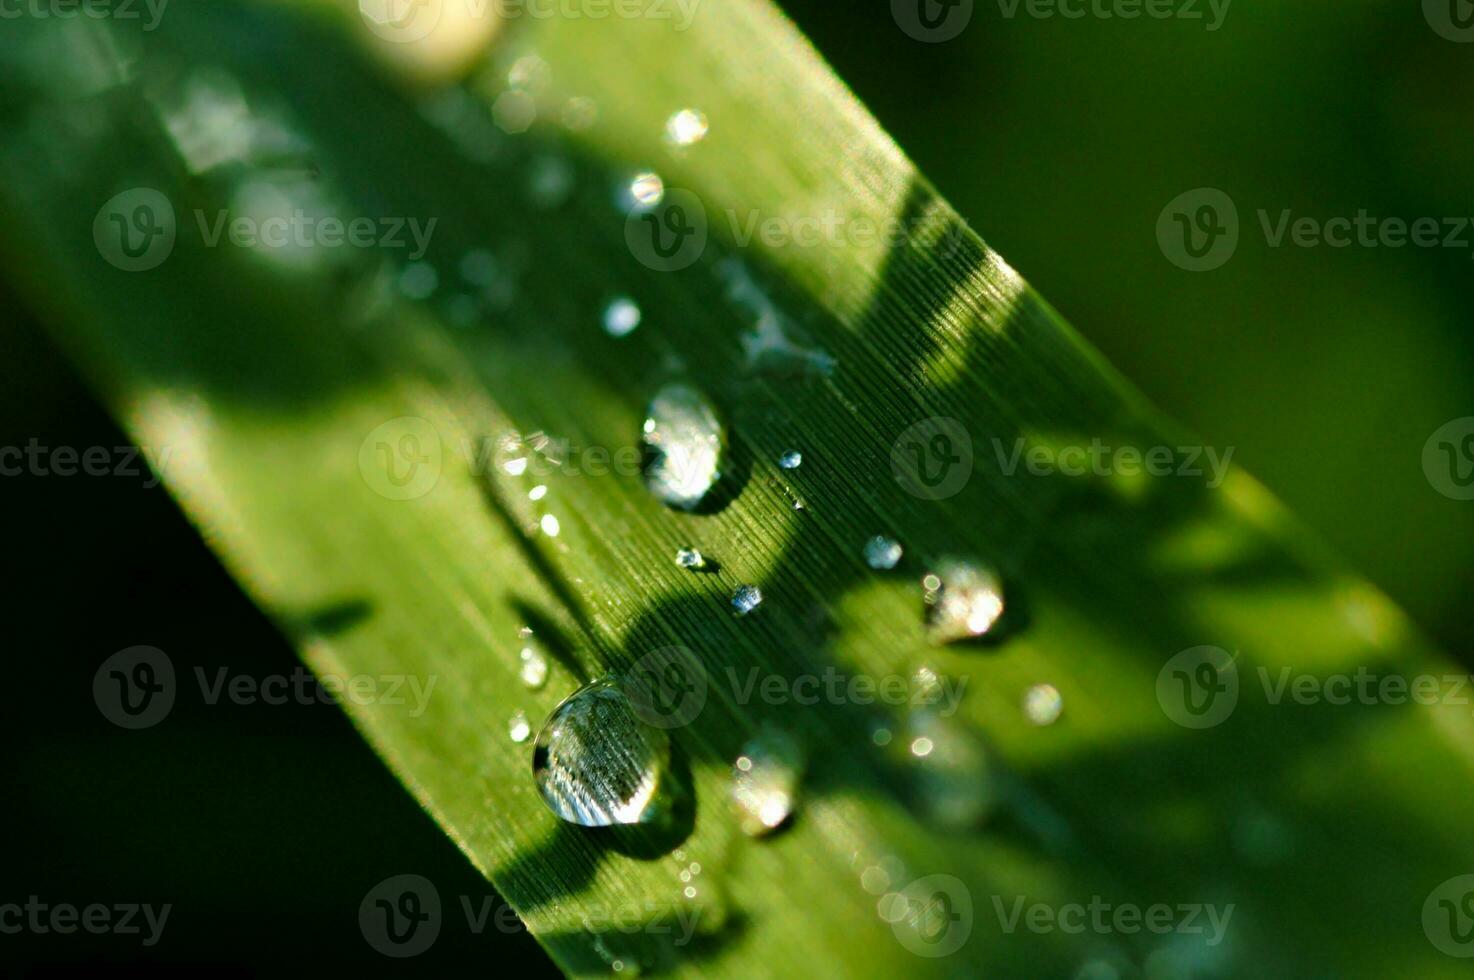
[{"x": 281, "y": 381}]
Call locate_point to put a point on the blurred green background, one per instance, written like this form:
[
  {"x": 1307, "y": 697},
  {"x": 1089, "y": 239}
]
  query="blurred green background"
[{"x": 1061, "y": 141}]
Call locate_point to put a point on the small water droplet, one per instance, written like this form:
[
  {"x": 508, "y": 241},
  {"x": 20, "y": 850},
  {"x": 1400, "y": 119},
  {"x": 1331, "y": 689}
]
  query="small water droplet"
[
  {"x": 419, "y": 281},
  {"x": 514, "y": 111},
  {"x": 791, "y": 460},
  {"x": 596, "y": 763},
  {"x": 881, "y": 735},
  {"x": 538, "y": 492},
  {"x": 550, "y": 525},
  {"x": 927, "y": 686},
  {"x": 1043, "y": 704},
  {"x": 516, "y": 466},
  {"x": 534, "y": 670},
  {"x": 686, "y": 444},
  {"x": 921, "y": 746},
  {"x": 746, "y": 599},
  {"x": 964, "y": 600},
  {"x": 686, "y": 127},
  {"x": 765, "y": 781},
  {"x": 621, "y": 317},
  {"x": 518, "y": 728},
  {"x": 690, "y": 558},
  {"x": 647, "y": 189},
  {"x": 882, "y": 553}
]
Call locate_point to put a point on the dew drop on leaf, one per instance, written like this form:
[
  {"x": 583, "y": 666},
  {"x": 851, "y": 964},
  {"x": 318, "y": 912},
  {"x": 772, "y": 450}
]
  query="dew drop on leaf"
[
  {"x": 597, "y": 763},
  {"x": 882, "y": 553},
  {"x": 686, "y": 127},
  {"x": 621, "y": 317},
  {"x": 964, "y": 600},
  {"x": 1043, "y": 704},
  {"x": 685, "y": 445},
  {"x": 765, "y": 781},
  {"x": 518, "y": 728},
  {"x": 690, "y": 558},
  {"x": 746, "y": 599},
  {"x": 791, "y": 460}
]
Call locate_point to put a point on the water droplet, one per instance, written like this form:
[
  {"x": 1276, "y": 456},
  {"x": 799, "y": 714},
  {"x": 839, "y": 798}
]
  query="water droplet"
[
  {"x": 765, "y": 781},
  {"x": 596, "y": 763},
  {"x": 686, "y": 443},
  {"x": 882, "y": 553},
  {"x": 518, "y": 728},
  {"x": 550, "y": 525},
  {"x": 690, "y": 558},
  {"x": 647, "y": 189},
  {"x": 686, "y": 127},
  {"x": 791, "y": 460},
  {"x": 538, "y": 492},
  {"x": 534, "y": 670},
  {"x": 1043, "y": 704},
  {"x": 516, "y": 467},
  {"x": 418, "y": 281},
  {"x": 927, "y": 686},
  {"x": 964, "y": 600},
  {"x": 746, "y": 599},
  {"x": 953, "y": 779},
  {"x": 621, "y": 317},
  {"x": 881, "y": 735}
]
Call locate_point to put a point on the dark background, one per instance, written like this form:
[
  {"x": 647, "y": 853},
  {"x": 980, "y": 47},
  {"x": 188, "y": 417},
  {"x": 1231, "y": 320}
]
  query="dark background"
[{"x": 1060, "y": 141}]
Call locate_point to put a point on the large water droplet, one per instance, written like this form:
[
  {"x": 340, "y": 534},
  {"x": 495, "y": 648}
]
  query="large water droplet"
[
  {"x": 964, "y": 600},
  {"x": 882, "y": 553},
  {"x": 621, "y": 317},
  {"x": 686, "y": 444},
  {"x": 1043, "y": 704},
  {"x": 596, "y": 763},
  {"x": 765, "y": 781},
  {"x": 746, "y": 599},
  {"x": 686, "y": 127}
]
